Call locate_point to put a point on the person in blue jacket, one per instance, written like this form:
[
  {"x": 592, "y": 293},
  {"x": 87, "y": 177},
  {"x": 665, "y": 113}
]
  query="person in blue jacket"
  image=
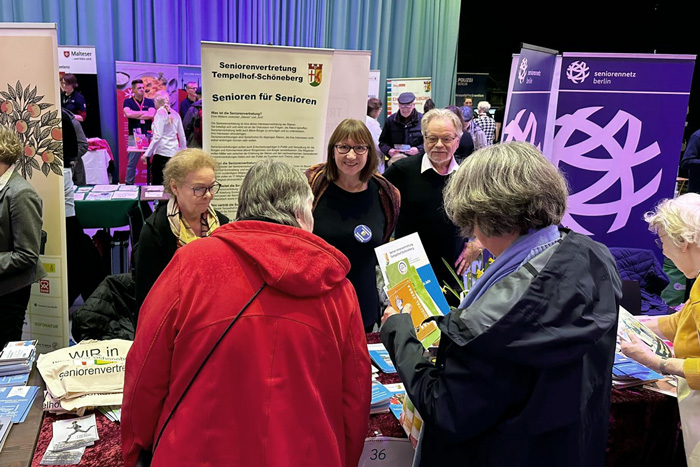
[{"x": 523, "y": 369}]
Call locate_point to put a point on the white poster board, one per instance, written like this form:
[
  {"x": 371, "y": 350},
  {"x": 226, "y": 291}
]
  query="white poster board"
[
  {"x": 395, "y": 86},
  {"x": 373, "y": 88},
  {"x": 28, "y": 53},
  {"x": 77, "y": 59},
  {"x": 262, "y": 102},
  {"x": 347, "y": 93}
]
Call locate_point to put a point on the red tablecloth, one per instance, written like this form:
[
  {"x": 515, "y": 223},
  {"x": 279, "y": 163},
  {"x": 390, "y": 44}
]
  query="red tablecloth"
[{"x": 644, "y": 430}]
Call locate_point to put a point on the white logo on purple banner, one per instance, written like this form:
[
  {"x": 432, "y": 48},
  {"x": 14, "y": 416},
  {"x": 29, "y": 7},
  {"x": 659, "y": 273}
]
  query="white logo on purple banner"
[
  {"x": 577, "y": 72},
  {"x": 618, "y": 167},
  {"x": 514, "y": 131},
  {"x": 522, "y": 70}
]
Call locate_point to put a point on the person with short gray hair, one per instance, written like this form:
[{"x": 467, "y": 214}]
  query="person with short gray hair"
[
  {"x": 295, "y": 361},
  {"x": 486, "y": 122},
  {"x": 524, "y": 368},
  {"x": 676, "y": 223},
  {"x": 273, "y": 191},
  {"x": 420, "y": 180}
]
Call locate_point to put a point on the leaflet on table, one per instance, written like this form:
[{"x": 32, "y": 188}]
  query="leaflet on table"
[
  {"x": 668, "y": 386},
  {"x": 74, "y": 433},
  {"x": 406, "y": 257},
  {"x": 125, "y": 195},
  {"x": 628, "y": 372},
  {"x": 83, "y": 189},
  {"x": 398, "y": 394},
  {"x": 105, "y": 188},
  {"x": 152, "y": 194},
  {"x": 380, "y": 358},
  {"x": 628, "y": 323},
  {"x": 79, "y": 196},
  {"x": 14, "y": 380},
  {"x": 403, "y": 294},
  {"x": 380, "y": 398},
  {"x": 128, "y": 188},
  {"x": 15, "y": 353},
  {"x": 16, "y": 401},
  {"x": 5, "y": 425},
  {"x": 68, "y": 457},
  {"x": 112, "y": 412},
  {"x": 98, "y": 196}
]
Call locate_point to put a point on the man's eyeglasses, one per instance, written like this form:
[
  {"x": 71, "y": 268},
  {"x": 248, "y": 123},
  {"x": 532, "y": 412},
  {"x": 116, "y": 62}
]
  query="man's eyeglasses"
[
  {"x": 446, "y": 140},
  {"x": 658, "y": 241},
  {"x": 344, "y": 149},
  {"x": 200, "y": 191},
  {"x": 406, "y": 106}
]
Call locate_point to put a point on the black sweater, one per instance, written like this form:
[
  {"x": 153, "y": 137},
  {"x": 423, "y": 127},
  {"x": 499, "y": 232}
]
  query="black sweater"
[{"x": 422, "y": 211}]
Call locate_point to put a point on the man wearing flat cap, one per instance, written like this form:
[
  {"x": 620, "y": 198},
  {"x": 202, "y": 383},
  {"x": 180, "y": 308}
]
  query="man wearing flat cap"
[{"x": 401, "y": 135}]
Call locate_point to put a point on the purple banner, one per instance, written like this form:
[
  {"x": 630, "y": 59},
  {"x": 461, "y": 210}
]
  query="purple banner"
[
  {"x": 617, "y": 137},
  {"x": 529, "y": 96}
]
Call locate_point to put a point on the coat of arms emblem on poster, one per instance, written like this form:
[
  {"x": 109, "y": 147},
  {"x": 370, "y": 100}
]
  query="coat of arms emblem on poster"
[{"x": 315, "y": 73}]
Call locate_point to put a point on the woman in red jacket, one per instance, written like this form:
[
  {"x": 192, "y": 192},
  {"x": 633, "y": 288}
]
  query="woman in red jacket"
[{"x": 289, "y": 385}]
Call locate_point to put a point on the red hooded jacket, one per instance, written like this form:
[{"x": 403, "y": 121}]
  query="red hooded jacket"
[{"x": 290, "y": 383}]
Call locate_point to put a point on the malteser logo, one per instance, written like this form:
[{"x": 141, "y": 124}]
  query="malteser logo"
[
  {"x": 66, "y": 53},
  {"x": 522, "y": 70},
  {"x": 577, "y": 72},
  {"x": 44, "y": 286}
]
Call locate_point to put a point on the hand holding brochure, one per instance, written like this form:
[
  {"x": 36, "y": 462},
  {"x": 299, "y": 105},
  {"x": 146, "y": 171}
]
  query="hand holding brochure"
[{"x": 628, "y": 323}]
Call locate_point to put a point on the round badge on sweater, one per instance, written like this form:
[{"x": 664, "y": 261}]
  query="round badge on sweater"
[{"x": 363, "y": 234}]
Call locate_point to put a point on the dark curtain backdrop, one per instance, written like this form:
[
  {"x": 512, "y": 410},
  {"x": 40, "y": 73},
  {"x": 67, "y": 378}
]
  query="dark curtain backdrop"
[{"x": 407, "y": 37}]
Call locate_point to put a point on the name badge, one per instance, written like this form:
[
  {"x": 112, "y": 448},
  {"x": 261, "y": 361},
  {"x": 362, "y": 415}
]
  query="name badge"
[
  {"x": 363, "y": 234},
  {"x": 143, "y": 122}
]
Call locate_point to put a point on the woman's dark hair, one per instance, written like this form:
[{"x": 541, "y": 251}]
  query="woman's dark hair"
[
  {"x": 373, "y": 104},
  {"x": 358, "y": 132},
  {"x": 428, "y": 106},
  {"x": 70, "y": 80}
]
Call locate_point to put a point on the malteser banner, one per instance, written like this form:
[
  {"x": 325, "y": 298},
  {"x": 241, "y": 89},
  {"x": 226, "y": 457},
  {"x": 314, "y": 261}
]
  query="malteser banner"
[
  {"x": 262, "y": 102},
  {"x": 30, "y": 104}
]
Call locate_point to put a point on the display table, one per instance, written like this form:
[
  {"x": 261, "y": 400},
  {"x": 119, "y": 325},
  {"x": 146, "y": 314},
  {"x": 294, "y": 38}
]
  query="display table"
[
  {"x": 104, "y": 214},
  {"x": 644, "y": 430},
  {"x": 19, "y": 446},
  {"x": 96, "y": 163},
  {"x": 644, "y": 426}
]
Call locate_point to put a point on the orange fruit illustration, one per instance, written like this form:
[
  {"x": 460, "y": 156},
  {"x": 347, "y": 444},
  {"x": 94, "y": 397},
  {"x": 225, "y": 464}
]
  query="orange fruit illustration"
[
  {"x": 6, "y": 107},
  {"x": 34, "y": 110},
  {"x": 21, "y": 126},
  {"x": 57, "y": 134},
  {"x": 47, "y": 157},
  {"x": 29, "y": 151}
]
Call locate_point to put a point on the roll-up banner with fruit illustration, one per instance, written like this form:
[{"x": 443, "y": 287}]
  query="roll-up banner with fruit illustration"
[{"x": 30, "y": 104}]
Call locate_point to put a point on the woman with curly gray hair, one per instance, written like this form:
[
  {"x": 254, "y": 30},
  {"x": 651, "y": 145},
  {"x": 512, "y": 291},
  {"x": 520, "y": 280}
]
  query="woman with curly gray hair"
[
  {"x": 20, "y": 238},
  {"x": 677, "y": 224},
  {"x": 523, "y": 369}
]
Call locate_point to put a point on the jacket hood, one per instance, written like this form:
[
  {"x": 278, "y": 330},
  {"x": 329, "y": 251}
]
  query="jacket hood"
[
  {"x": 545, "y": 318},
  {"x": 289, "y": 259}
]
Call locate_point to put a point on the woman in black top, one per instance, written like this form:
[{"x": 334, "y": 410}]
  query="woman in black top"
[{"x": 355, "y": 208}]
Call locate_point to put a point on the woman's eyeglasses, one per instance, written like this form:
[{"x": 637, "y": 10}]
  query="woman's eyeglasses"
[
  {"x": 658, "y": 241},
  {"x": 200, "y": 191},
  {"x": 344, "y": 149}
]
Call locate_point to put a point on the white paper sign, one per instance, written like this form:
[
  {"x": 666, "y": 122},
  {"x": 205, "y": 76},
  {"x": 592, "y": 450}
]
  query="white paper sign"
[{"x": 387, "y": 452}]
